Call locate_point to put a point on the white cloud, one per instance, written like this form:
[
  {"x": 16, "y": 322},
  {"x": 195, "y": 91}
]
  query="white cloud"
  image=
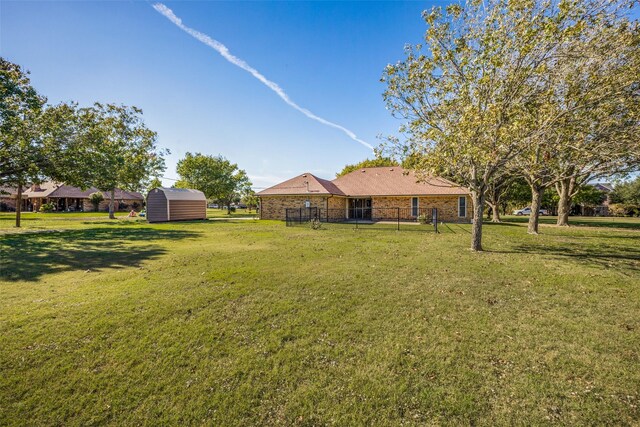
[{"x": 222, "y": 50}]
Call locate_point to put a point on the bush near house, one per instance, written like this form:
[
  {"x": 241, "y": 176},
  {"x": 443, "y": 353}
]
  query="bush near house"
[{"x": 624, "y": 209}]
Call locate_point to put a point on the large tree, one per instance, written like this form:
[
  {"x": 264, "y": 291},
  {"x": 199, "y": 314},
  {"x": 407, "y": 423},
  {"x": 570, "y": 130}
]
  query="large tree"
[
  {"x": 463, "y": 92},
  {"x": 119, "y": 151},
  {"x": 590, "y": 93},
  {"x": 21, "y": 154},
  {"x": 215, "y": 176},
  {"x": 37, "y": 141}
]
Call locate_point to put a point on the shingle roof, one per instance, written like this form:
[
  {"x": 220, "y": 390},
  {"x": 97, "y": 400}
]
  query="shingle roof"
[
  {"x": 304, "y": 184},
  {"x": 394, "y": 181},
  {"x": 54, "y": 189},
  {"x": 380, "y": 181}
]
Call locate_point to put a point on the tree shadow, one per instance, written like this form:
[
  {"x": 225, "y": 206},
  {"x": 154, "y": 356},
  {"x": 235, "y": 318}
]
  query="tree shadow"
[
  {"x": 599, "y": 222},
  {"x": 29, "y": 256},
  {"x": 603, "y": 255}
]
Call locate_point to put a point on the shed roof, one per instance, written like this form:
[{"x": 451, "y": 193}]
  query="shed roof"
[{"x": 181, "y": 193}]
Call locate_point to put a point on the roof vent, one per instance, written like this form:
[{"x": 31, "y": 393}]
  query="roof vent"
[
  {"x": 304, "y": 176},
  {"x": 363, "y": 170},
  {"x": 391, "y": 169}
]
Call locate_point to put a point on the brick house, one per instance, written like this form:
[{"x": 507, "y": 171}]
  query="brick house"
[
  {"x": 369, "y": 193},
  {"x": 8, "y": 197},
  {"x": 73, "y": 199}
]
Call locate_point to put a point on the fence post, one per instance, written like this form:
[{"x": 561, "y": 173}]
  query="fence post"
[{"x": 398, "y": 218}]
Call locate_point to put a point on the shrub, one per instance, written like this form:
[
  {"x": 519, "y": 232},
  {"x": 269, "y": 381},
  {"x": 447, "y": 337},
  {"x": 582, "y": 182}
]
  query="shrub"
[
  {"x": 232, "y": 209},
  {"x": 95, "y": 199},
  {"x": 423, "y": 219},
  {"x": 624, "y": 209},
  {"x": 47, "y": 207}
]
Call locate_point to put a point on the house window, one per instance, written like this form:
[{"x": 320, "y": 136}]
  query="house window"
[
  {"x": 414, "y": 206},
  {"x": 462, "y": 207}
]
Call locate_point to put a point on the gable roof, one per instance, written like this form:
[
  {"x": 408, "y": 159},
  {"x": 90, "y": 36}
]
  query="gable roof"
[
  {"x": 379, "y": 181},
  {"x": 394, "y": 181},
  {"x": 304, "y": 184},
  {"x": 603, "y": 186}
]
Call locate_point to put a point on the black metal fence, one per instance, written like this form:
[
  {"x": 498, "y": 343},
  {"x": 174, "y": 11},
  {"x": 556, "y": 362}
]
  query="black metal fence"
[{"x": 363, "y": 217}]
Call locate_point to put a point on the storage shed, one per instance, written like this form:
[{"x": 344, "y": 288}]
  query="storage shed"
[{"x": 175, "y": 204}]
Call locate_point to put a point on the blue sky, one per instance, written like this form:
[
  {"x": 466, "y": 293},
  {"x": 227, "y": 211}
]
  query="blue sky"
[{"x": 327, "y": 56}]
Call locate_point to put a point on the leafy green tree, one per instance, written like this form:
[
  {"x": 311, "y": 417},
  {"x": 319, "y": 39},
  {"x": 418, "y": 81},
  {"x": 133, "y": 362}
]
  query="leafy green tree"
[
  {"x": 627, "y": 192},
  {"x": 368, "y": 163},
  {"x": 463, "y": 93},
  {"x": 215, "y": 176},
  {"x": 592, "y": 100},
  {"x": 589, "y": 195},
  {"x": 95, "y": 199},
  {"x": 486, "y": 89},
  {"x": 22, "y": 158},
  {"x": 154, "y": 183},
  {"x": 250, "y": 199},
  {"x": 119, "y": 151}
]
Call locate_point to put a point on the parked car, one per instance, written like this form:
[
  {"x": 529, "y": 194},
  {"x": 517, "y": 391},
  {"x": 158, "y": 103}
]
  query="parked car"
[
  {"x": 213, "y": 205},
  {"x": 527, "y": 211}
]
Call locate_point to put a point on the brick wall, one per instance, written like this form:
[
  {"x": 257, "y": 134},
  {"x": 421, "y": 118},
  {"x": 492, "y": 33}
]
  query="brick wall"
[
  {"x": 274, "y": 207},
  {"x": 447, "y": 206}
]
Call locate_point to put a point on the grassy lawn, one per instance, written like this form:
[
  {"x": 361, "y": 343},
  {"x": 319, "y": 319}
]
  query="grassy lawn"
[
  {"x": 239, "y": 213},
  {"x": 253, "y": 323}
]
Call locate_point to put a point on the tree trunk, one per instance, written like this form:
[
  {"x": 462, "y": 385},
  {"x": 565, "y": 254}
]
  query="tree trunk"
[
  {"x": 495, "y": 211},
  {"x": 476, "y": 230},
  {"x": 536, "y": 199},
  {"x": 111, "y": 204},
  {"x": 495, "y": 214},
  {"x": 564, "y": 189},
  {"x": 19, "y": 205}
]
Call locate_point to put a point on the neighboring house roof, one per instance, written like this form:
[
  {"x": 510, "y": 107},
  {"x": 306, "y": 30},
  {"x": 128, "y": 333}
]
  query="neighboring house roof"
[
  {"x": 181, "y": 193},
  {"x": 380, "y": 181},
  {"x": 304, "y": 184},
  {"x": 41, "y": 190},
  {"x": 56, "y": 190},
  {"x": 603, "y": 186},
  {"x": 8, "y": 192}
]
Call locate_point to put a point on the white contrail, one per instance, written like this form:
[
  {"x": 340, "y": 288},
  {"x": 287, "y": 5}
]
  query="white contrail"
[{"x": 222, "y": 50}]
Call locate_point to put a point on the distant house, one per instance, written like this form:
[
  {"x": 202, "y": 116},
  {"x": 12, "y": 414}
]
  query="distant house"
[
  {"x": 66, "y": 198},
  {"x": 603, "y": 208},
  {"x": 8, "y": 197},
  {"x": 368, "y": 193}
]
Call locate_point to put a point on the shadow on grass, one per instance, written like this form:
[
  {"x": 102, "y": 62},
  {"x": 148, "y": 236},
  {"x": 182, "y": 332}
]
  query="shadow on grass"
[
  {"x": 32, "y": 255},
  {"x": 602, "y": 256},
  {"x": 604, "y": 222}
]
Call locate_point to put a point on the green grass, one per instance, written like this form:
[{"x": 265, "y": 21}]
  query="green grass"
[
  {"x": 239, "y": 213},
  {"x": 253, "y": 323}
]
